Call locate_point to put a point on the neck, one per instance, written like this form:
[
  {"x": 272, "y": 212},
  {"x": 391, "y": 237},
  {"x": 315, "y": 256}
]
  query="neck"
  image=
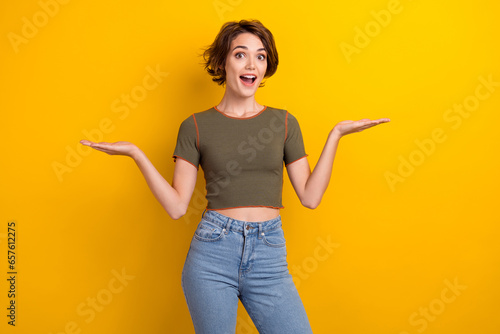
[{"x": 239, "y": 106}]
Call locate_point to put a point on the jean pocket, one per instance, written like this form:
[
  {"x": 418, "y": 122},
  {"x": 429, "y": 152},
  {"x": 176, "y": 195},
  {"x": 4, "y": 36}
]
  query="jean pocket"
[
  {"x": 274, "y": 238},
  {"x": 207, "y": 231}
]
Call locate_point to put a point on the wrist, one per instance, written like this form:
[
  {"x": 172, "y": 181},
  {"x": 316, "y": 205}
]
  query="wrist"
[
  {"x": 335, "y": 134},
  {"x": 136, "y": 153}
]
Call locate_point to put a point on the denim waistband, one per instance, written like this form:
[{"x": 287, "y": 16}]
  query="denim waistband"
[{"x": 240, "y": 225}]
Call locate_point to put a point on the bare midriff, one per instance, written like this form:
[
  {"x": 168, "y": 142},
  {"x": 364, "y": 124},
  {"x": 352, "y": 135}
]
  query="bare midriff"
[{"x": 251, "y": 214}]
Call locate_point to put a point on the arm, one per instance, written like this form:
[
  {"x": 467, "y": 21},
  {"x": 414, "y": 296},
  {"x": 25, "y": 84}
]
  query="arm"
[
  {"x": 173, "y": 198},
  {"x": 310, "y": 187}
]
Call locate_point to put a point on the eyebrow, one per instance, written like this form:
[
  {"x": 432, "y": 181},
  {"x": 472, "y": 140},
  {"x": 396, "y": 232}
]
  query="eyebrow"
[{"x": 246, "y": 48}]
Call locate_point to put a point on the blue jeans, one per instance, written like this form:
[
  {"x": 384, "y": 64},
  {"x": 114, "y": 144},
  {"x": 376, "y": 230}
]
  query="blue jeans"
[{"x": 230, "y": 259}]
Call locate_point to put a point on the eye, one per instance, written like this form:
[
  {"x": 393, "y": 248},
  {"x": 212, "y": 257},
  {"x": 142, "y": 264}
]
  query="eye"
[
  {"x": 262, "y": 57},
  {"x": 239, "y": 54}
]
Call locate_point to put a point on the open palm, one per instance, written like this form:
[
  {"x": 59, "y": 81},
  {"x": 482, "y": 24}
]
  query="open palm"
[
  {"x": 345, "y": 127},
  {"x": 116, "y": 148}
]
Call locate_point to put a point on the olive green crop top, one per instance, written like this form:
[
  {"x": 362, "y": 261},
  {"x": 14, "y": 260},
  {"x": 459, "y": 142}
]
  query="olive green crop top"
[{"x": 242, "y": 158}]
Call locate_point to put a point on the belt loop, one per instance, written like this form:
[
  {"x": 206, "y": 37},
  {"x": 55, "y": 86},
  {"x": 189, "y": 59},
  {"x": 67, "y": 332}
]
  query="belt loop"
[
  {"x": 203, "y": 213},
  {"x": 260, "y": 231},
  {"x": 228, "y": 225}
]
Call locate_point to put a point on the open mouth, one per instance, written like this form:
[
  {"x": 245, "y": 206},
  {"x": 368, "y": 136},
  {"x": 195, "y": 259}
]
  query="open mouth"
[{"x": 248, "y": 79}]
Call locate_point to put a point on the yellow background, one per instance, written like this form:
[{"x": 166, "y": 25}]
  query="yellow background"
[{"x": 397, "y": 245}]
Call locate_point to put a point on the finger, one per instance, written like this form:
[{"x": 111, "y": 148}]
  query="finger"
[
  {"x": 380, "y": 120},
  {"x": 370, "y": 125},
  {"x": 102, "y": 145},
  {"x": 363, "y": 123},
  {"x": 86, "y": 142},
  {"x": 94, "y": 145},
  {"x": 366, "y": 126}
]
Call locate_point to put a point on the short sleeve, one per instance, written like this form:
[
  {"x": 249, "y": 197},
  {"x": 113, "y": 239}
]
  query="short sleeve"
[
  {"x": 187, "y": 142},
  {"x": 294, "y": 144}
]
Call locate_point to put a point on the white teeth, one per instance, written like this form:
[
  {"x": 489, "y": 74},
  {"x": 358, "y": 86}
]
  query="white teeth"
[{"x": 249, "y": 76}]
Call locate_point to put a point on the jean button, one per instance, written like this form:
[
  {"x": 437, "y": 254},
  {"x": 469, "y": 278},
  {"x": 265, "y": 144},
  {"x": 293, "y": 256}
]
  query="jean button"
[{"x": 248, "y": 227}]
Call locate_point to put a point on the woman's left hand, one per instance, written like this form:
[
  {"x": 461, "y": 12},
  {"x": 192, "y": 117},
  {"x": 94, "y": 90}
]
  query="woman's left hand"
[{"x": 345, "y": 127}]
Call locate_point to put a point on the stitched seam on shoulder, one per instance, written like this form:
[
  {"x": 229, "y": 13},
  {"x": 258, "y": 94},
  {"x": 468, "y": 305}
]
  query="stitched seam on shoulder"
[
  {"x": 197, "y": 134},
  {"x": 286, "y": 125}
]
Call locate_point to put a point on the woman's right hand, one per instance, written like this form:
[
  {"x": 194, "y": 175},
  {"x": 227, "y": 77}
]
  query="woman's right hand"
[{"x": 117, "y": 148}]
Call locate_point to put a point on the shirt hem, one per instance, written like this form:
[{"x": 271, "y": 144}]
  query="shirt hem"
[
  {"x": 249, "y": 206},
  {"x": 179, "y": 157},
  {"x": 296, "y": 160}
]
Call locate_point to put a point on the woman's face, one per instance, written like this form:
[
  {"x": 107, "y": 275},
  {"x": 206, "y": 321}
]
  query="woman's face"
[{"x": 246, "y": 65}]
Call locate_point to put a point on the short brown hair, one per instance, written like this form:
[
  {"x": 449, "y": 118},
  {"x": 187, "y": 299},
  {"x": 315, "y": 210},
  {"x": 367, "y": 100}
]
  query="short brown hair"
[{"x": 215, "y": 55}]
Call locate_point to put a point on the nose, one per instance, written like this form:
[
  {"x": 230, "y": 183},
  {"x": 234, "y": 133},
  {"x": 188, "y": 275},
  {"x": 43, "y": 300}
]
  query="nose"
[{"x": 250, "y": 64}]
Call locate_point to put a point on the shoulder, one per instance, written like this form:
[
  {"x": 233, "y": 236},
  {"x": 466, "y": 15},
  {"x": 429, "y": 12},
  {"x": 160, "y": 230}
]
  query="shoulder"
[
  {"x": 283, "y": 113},
  {"x": 292, "y": 119},
  {"x": 276, "y": 111},
  {"x": 206, "y": 113},
  {"x": 194, "y": 118},
  {"x": 188, "y": 123}
]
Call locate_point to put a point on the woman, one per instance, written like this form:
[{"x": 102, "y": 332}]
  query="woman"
[{"x": 238, "y": 249}]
